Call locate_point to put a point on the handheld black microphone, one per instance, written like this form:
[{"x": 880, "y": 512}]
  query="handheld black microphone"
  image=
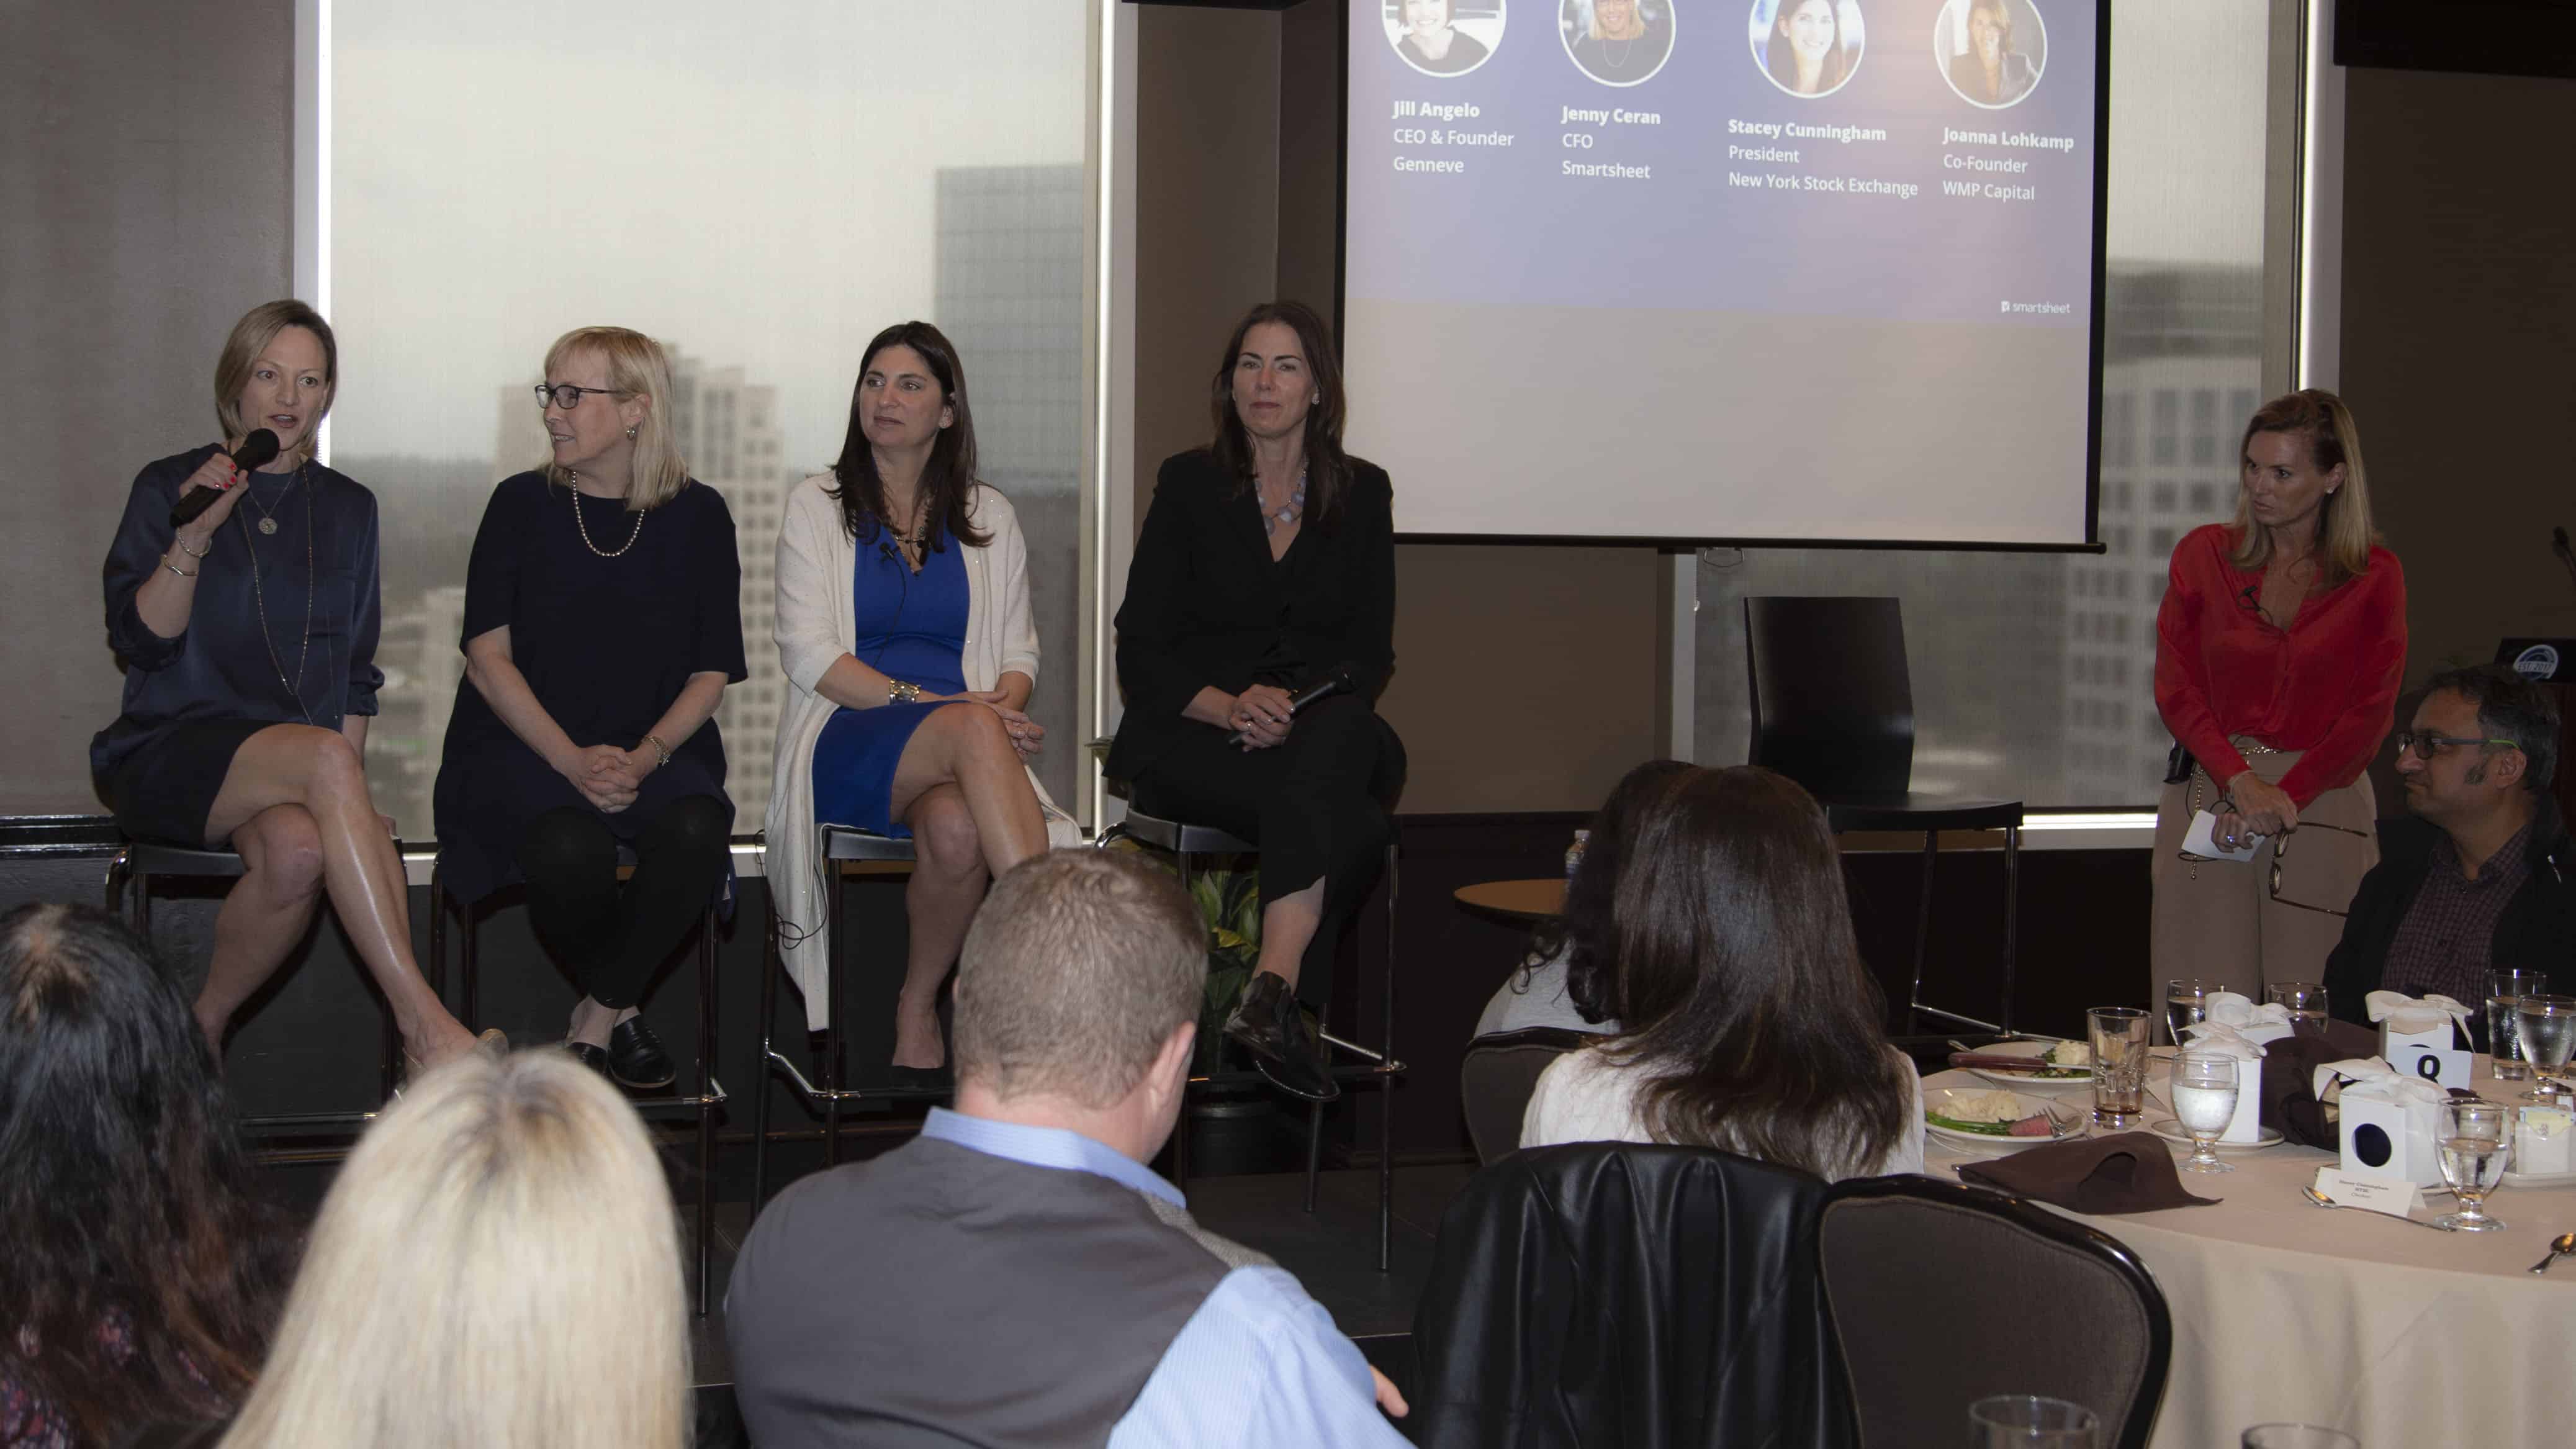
[
  {"x": 257, "y": 449},
  {"x": 1337, "y": 682}
]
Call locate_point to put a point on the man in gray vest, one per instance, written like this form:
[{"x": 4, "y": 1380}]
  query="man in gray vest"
[{"x": 1015, "y": 1275}]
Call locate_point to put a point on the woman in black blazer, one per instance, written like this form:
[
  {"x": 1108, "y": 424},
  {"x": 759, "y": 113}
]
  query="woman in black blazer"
[{"x": 1266, "y": 562}]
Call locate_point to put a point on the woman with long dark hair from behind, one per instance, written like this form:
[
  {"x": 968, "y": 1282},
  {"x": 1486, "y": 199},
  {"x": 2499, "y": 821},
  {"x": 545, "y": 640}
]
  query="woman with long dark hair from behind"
[
  {"x": 1751, "y": 1023},
  {"x": 143, "y": 1271},
  {"x": 1565, "y": 980}
]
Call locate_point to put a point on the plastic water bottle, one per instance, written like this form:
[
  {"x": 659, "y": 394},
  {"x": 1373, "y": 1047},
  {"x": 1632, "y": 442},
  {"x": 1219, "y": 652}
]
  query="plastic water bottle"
[{"x": 1574, "y": 852}]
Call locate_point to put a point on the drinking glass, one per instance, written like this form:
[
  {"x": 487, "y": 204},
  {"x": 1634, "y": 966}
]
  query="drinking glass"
[
  {"x": 2119, "y": 1039},
  {"x": 2204, "y": 1099},
  {"x": 2473, "y": 1148},
  {"x": 2187, "y": 1004},
  {"x": 2546, "y": 1027},
  {"x": 2026, "y": 1421},
  {"x": 2504, "y": 1044},
  {"x": 2297, "y": 1436},
  {"x": 2305, "y": 999}
]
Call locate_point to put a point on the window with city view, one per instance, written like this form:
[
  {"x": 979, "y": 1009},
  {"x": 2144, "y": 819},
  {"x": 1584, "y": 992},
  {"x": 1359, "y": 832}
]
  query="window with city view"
[
  {"x": 2033, "y": 673},
  {"x": 760, "y": 190}
]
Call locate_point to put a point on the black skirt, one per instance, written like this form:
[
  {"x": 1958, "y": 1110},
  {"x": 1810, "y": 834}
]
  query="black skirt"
[{"x": 164, "y": 791}]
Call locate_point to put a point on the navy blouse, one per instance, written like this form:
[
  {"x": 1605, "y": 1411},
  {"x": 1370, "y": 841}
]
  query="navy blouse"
[{"x": 219, "y": 667}]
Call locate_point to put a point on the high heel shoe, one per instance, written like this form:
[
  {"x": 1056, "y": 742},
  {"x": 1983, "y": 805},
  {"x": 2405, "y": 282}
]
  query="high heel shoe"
[{"x": 1267, "y": 1022}]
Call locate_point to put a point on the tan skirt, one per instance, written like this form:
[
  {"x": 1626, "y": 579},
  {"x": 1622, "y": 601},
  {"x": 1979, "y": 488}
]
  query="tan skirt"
[{"x": 2216, "y": 920}]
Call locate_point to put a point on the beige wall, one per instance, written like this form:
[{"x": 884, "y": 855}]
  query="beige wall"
[
  {"x": 145, "y": 204},
  {"x": 1525, "y": 676},
  {"x": 2459, "y": 301}
]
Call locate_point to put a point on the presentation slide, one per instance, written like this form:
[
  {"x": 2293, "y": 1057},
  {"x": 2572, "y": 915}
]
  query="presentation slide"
[{"x": 1815, "y": 270}]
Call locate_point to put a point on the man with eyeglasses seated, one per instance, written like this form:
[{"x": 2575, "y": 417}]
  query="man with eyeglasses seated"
[
  {"x": 2479, "y": 879},
  {"x": 1016, "y": 1275}
]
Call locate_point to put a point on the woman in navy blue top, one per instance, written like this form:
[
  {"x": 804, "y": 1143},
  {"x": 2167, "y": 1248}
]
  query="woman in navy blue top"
[
  {"x": 603, "y": 620},
  {"x": 249, "y": 640}
]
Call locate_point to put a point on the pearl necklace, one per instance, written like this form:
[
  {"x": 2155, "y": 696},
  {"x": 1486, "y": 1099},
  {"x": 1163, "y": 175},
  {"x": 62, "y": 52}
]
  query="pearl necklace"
[{"x": 631, "y": 536}]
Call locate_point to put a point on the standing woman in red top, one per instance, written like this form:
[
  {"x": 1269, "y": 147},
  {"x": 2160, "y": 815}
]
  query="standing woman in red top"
[{"x": 2279, "y": 647}]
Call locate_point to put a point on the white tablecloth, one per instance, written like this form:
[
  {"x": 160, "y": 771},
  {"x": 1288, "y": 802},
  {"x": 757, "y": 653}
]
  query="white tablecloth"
[{"x": 2286, "y": 1311}]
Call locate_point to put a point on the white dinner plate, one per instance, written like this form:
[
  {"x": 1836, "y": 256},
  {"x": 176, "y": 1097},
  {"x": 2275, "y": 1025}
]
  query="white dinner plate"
[
  {"x": 2171, "y": 1131},
  {"x": 2034, "y": 1050},
  {"x": 2064, "y": 1121}
]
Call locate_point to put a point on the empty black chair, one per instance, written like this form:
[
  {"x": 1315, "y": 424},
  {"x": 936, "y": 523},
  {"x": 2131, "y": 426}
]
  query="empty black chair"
[
  {"x": 1943, "y": 1295},
  {"x": 1833, "y": 709},
  {"x": 1497, "y": 1077},
  {"x": 1620, "y": 1296}
]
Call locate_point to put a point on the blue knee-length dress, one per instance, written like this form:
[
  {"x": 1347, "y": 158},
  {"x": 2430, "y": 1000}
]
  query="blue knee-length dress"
[{"x": 908, "y": 626}]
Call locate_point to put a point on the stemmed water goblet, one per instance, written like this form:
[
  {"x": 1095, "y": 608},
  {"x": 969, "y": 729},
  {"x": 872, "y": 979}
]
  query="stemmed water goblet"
[
  {"x": 2473, "y": 1149},
  {"x": 2187, "y": 1004},
  {"x": 2204, "y": 1099}
]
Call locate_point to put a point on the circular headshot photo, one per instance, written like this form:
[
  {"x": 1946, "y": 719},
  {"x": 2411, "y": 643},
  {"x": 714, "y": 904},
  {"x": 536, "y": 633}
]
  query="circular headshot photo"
[
  {"x": 1808, "y": 48},
  {"x": 1990, "y": 51},
  {"x": 1617, "y": 42},
  {"x": 1444, "y": 37}
]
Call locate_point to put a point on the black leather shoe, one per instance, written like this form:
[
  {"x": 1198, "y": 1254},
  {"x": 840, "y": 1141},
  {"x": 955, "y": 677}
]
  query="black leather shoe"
[
  {"x": 635, "y": 1056},
  {"x": 1266, "y": 1020},
  {"x": 593, "y": 1057}
]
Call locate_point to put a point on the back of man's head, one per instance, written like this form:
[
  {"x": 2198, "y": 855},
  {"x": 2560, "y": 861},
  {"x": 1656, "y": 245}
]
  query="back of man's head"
[
  {"x": 2510, "y": 707},
  {"x": 1080, "y": 965}
]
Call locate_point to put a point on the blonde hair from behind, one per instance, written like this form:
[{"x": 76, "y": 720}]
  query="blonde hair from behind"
[
  {"x": 2344, "y": 531},
  {"x": 1080, "y": 965},
  {"x": 249, "y": 338},
  {"x": 637, "y": 367},
  {"x": 496, "y": 1268}
]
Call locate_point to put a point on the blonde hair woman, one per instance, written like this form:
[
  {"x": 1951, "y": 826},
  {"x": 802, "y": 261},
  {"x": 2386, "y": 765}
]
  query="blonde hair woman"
[
  {"x": 248, "y": 637},
  {"x": 2280, "y": 645},
  {"x": 603, "y": 620},
  {"x": 497, "y": 1267}
]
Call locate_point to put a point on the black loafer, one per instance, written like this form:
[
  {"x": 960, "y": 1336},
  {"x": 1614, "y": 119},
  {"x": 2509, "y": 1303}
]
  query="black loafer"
[
  {"x": 636, "y": 1058},
  {"x": 593, "y": 1057},
  {"x": 1269, "y": 1025}
]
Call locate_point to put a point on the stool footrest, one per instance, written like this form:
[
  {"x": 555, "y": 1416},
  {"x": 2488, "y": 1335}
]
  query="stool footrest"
[
  {"x": 716, "y": 1096},
  {"x": 814, "y": 1094}
]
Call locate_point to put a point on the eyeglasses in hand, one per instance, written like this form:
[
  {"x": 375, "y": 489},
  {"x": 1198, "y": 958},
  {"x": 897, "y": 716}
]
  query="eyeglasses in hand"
[
  {"x": 2281, "y": 847},
  {"x": 566, "y": 396}
]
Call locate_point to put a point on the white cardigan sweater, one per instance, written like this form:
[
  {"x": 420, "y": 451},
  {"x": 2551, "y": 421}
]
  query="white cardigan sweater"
[{"x": 815, "y": 627}]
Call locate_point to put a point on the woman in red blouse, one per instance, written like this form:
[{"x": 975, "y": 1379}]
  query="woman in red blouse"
[{"x": 2279, "y": 647}]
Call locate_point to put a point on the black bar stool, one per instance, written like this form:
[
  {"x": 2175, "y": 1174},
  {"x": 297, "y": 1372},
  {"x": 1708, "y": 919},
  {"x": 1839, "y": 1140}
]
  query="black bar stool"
[
  {"x": 133, "y": 869},
  {"x": 841, "y": 844},
  {"x": 710, "y": 1094},
  {"x": 1188, "y": 842}
]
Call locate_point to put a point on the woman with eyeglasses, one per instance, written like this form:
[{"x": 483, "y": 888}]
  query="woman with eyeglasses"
[
  {"x": 2280, "y": 645},
  {"x": 910, "y": 651},
  {"x": 248, "y": 636},
  {"x": 603, "y": 620}
]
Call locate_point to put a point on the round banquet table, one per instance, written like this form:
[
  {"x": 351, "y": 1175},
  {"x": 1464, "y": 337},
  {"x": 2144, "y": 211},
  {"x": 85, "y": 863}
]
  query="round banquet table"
[
  {"x": 1542, "y": 899},
  {"x": 2286, "y": 1311}
]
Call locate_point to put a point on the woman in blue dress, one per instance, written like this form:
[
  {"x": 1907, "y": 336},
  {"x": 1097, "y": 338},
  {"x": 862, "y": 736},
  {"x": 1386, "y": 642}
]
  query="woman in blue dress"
[{"x": 905, "y": 633}]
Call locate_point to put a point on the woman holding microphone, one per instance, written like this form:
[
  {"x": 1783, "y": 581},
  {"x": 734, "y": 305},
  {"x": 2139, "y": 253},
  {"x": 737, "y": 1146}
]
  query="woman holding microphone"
[
  {"x": 248, "y": 635},
  {"x": 2280, "y": 644},
  {"x": 1267, "y": 561}
]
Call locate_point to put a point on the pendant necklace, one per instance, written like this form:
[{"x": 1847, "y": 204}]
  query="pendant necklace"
[
  {"x": 259, "y": 599},
  {"x": 268, "y": 520},
  {"x": 577, "y": 522}
]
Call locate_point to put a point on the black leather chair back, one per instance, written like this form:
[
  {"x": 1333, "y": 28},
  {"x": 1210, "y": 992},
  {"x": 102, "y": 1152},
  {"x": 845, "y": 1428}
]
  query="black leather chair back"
[
  {"x": 1500, "y": 1072},
  {"x": 1943, "y": 1295},
  {"x": 1620, "y": 1296},
  {"x": 1833, "y": 706}
]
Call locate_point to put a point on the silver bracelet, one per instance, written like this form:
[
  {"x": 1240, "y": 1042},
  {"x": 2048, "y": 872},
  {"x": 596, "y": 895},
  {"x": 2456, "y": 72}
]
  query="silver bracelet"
[
  {"x": 659, "y": 748},
  {"x": 174, "y": 568}
]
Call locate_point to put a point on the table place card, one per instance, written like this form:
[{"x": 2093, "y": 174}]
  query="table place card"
[{"x": 2397, "y": 1199}]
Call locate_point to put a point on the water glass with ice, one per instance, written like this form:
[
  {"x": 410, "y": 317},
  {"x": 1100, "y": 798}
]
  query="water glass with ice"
[
  {"x": 2546, "y": 1027},
  {"x": 2504, "y": 1044},
  {"x": 2204, "y": 1098}
]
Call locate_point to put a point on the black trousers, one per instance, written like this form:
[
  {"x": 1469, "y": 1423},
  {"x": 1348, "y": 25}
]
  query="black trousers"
[
  {"x": 1316, "y": 805},
  {"x": 612, "y": 940}
]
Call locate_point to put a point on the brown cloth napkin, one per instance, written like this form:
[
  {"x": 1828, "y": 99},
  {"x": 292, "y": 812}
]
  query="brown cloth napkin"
[
  {"x": 2290, "y": 1079},
  {"x": 2126, "y": 1172}
]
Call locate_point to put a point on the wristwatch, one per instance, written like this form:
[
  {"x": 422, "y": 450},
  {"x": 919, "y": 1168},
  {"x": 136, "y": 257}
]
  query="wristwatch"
[{"x": 902, "y": 691}]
